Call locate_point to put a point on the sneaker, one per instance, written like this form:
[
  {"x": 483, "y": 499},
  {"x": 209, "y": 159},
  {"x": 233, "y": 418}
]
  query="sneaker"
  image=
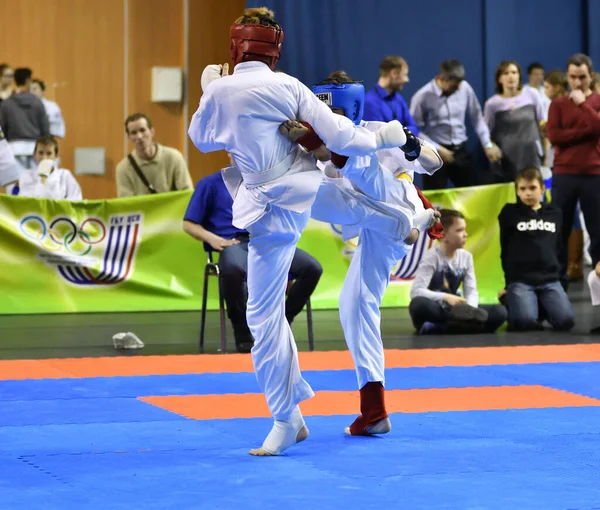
[
  {"x": 243, "y": 340},
  {"x": 467, "y": 313},
  {"x": 430, "y": 328},
  {"x": 244, "y": 347}
]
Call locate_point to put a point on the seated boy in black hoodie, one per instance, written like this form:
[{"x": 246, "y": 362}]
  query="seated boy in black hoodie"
[{"x": 529, "y": 237}]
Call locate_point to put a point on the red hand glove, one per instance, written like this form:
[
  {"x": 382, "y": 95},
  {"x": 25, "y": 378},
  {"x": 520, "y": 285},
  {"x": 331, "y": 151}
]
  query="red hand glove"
[
  {"x": 310, "y": 141},
  {"x": 437, "y": 231},
  {"x": 338, "y": 160}
]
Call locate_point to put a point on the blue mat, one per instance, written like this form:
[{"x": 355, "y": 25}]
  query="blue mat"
[
  {"x": 89, "y": 443},
  {"x": 428, "y": 461},
  {"x": 105, "y": 410},
  {"x": 572, "y": 375}
]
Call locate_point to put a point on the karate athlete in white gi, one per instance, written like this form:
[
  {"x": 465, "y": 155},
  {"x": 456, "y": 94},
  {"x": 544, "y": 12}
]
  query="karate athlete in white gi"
[
  {"x": 273, "y": 184},
  {"x": 385, "y": 176}
]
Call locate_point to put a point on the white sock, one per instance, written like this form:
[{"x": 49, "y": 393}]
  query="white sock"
[
  {"x": 283, "y": 434},
  {"x": 422, "y": 220}
]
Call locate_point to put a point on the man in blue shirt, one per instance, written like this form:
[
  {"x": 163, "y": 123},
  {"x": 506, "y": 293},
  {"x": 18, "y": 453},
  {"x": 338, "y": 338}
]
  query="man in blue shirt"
[
  {"x": 384, "y": 102},
  {"x": 209, "y": 219}
]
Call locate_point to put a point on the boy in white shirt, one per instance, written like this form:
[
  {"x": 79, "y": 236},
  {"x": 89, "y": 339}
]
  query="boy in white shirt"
[
  {"x": 47, "y": 181},
  {"x": 437, "y": 304}
]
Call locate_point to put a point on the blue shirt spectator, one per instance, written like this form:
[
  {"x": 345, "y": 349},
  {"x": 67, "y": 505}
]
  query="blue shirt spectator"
[
  {"x": 383, "y": 102},
  {"x": 384, "y": 106},
  {"x": 211, "y": 206},
  {"x": 209, "y": 218}
]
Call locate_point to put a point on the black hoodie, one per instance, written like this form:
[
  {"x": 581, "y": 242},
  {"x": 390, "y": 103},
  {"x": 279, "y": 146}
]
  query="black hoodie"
[
  {"x": 23, "y": 117},
  {"x": 529, "y": 242}
]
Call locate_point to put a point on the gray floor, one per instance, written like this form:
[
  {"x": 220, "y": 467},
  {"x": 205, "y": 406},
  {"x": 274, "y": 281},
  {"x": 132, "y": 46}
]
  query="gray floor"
[{"x": 84, "y": 335}]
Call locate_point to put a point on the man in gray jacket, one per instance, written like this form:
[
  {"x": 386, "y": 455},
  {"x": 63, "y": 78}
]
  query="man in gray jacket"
[{"x": 23, "y": 119}]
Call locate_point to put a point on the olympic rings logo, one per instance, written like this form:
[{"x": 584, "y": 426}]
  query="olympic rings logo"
[{"x": 63, "y": 233}]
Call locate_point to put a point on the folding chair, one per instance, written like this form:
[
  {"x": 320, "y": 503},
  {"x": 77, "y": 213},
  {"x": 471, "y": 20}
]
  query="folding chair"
[{"x": 212, "y": 269}]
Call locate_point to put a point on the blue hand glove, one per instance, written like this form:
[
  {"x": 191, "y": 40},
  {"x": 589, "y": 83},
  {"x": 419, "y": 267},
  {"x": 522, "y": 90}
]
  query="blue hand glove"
[{"x": 412, "y": 147}]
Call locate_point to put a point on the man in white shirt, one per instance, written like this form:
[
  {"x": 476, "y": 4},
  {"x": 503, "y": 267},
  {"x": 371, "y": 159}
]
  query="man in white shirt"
[
  {"x": 55, "y": 116},
  {"x": 440, "y": 108},
  {"x": 47, "y": 181},
  {"x": 274, "y": 184}
]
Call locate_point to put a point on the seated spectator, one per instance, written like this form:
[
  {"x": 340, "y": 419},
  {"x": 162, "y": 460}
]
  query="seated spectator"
[
  {"x": 529, "y": 239},
  {"x": 151, "y": 167},
  {"x": 55, "y": 117},
  {"x": 23, "y": 119},
  {"x": 513, "y": 116},
  {"x": 209, "y": 219},
  {"x": 47, "y": 181},
  {"x": 437, "y": 305}
]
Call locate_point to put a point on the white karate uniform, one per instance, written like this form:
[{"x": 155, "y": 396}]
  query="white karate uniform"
[
  {"x": 274, "y": 184},
  {"x": 376, "y": 254},
  {"x": 60, "y": 185}
]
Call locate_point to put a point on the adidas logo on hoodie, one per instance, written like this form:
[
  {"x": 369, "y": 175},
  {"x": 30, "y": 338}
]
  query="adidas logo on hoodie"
[{"x": 548, "y": 226}]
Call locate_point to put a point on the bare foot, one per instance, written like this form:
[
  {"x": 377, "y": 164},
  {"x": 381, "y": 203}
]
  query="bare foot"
[
  {"x": 261, "y": 452},
  {"x": 598, "y": 268},
  {"x": 292, "y": 130},
  {"x": 381, "y": 427}
]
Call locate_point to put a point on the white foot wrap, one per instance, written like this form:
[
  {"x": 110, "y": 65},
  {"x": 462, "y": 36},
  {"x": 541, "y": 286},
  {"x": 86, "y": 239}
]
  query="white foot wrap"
[
  {"x": 284, "y": 433},
  {"x": 390, "y": 135},
  {"x": 423, "y": 220}
]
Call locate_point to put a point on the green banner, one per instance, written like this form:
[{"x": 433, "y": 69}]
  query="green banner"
[
  {"x": 480, "y": 206},
  {"x": 125, "y": 255}
]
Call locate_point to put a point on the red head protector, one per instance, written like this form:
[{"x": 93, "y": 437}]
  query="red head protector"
[{"x": 256, "y": 42}]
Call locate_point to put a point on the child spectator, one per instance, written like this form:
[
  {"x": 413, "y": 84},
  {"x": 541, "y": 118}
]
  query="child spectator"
[
  {"x": 529, "y": 240},
  {"x": 437, "y": 305},
  {"x": 47, "y": 181}
]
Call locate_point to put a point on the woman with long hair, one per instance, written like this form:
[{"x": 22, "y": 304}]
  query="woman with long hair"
[{"x": 514, "y": 115}]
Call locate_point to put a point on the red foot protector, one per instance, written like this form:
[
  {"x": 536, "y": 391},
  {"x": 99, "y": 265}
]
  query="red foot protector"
[{"x": 372, "y": 408}]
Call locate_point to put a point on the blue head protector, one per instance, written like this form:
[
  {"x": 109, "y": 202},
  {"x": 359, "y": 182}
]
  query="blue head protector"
[{"x": 350, "y": 97}]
